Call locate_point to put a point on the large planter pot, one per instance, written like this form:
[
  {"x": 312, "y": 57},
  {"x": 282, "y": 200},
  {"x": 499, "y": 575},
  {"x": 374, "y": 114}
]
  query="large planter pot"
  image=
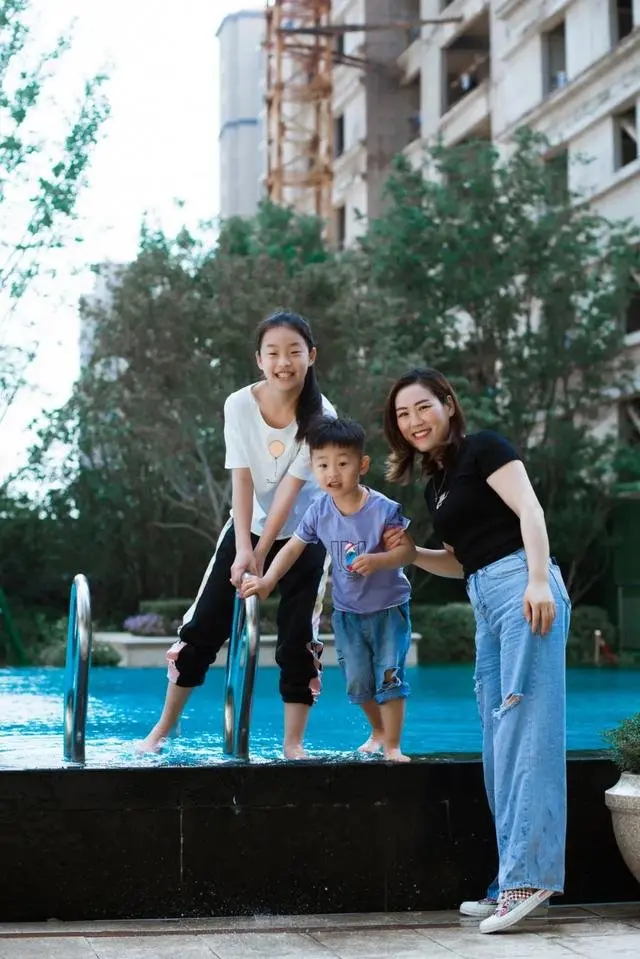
[{"x": 623, "y": 801}]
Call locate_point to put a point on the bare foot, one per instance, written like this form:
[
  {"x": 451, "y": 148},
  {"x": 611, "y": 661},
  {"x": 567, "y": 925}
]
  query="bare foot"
[
  {"x": 396, "y": 756},
  {"x": 373, "y": 745},
  {"x": 295, "y": 751},
  {"x": 152, "y": 744}
]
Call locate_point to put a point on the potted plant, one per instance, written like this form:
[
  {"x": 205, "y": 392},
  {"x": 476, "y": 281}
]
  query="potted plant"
[{"x": 623, "y": 799}]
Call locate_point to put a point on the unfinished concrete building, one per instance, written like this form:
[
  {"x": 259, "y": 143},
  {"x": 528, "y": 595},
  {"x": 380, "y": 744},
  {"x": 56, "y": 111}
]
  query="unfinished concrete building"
[{"x": 339, "y": 106}]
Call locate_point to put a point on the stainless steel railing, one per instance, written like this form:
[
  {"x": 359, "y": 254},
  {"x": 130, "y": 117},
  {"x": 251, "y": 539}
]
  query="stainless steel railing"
[
  {"x": 242, "y": 658},
  {"x": 78, "y": 662}
]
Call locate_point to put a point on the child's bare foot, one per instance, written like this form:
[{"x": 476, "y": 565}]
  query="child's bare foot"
[
  {"x": 152, "y": 744},
  {"x": 396, "y": 756},
  {"x": 295, "y": 751},
  {"x": 373, "y": 745}
]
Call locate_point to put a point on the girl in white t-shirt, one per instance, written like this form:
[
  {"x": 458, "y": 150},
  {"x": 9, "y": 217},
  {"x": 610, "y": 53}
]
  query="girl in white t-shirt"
[{"x": 265, "y": 432}]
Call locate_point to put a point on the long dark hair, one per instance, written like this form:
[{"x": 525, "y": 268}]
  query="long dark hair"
[
  {"x": 310, "y": 400},
  {"x": 401, "y": 460}
]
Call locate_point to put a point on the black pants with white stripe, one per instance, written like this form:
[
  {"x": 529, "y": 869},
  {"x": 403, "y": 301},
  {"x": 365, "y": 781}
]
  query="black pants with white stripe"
[{"x": 207, "y": 624}]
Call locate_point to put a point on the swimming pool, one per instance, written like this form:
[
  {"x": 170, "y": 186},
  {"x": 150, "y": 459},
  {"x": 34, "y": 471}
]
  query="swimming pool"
[{"x": 124, "y": 704}]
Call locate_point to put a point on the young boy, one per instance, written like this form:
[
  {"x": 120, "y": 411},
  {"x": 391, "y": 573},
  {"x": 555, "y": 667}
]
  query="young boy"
[{"x": 371, "y": 593}]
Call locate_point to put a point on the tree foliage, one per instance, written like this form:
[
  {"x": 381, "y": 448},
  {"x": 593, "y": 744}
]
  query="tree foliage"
[
  {"x": 519, "y": 292},
  {"x": 483, "y": 267},
  {"x": 40, "y": 175}
]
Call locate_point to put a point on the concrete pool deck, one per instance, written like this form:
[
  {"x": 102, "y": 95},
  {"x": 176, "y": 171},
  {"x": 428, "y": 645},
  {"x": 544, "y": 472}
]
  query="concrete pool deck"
[{"x": 590, "y": 932}]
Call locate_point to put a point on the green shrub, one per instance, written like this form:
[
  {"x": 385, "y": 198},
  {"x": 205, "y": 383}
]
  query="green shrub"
[
  {"x": 584, "y": 621},
  {"x": 629, "y": 659},
  {"x": 172, "y": 610},
  {"x": 625, "y": 744},
  {"x": 54, "y": 651},
  {"x": 36, "y": 627},
  {"x": 55, "y": 654},
  {"x": 448, "y": 633}
]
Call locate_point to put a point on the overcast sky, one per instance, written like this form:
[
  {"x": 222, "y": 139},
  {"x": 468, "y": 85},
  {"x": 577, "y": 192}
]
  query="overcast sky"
[{"x": 159, "y": 146}]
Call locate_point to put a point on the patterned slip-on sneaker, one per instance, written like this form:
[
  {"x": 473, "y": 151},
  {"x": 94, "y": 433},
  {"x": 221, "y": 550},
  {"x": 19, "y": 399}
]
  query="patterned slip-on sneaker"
[
  {"x": 513, "y": 907},
  {"x": 478, "y": 908}
]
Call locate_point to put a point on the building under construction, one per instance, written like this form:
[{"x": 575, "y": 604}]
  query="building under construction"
[{"x": 338, "y": 107}]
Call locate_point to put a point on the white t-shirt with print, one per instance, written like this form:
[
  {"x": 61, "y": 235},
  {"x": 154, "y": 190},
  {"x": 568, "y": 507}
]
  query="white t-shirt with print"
[{"x": 270, "y": 454}]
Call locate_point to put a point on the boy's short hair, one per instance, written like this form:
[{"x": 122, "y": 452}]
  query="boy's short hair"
[{"x": 328, "y": 431}]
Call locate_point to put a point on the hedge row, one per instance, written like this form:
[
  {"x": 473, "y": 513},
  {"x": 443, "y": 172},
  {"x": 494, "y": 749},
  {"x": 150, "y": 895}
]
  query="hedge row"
[{"x": 447, "y": 632}]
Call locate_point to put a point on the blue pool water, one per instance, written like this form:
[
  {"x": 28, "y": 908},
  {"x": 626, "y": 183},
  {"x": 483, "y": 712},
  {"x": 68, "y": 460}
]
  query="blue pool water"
[{"x": 124, "y": 704}]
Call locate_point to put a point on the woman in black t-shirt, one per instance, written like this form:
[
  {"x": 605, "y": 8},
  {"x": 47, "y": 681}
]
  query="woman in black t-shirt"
[{"x": 493, "y": 530}]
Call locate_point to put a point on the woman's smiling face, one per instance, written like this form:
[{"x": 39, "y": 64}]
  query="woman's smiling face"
[{"x": 422, "y": 419}]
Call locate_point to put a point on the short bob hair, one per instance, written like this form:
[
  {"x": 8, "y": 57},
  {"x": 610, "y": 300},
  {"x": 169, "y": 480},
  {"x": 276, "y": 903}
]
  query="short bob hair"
[{"x": 401, "y": 460}]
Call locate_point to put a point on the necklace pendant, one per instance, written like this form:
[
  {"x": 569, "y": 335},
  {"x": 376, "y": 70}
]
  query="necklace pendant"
[{"x": 440, "y": 494}]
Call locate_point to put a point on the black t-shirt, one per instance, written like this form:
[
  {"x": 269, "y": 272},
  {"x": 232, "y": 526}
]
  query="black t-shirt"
[{"x": 471, "y": 516}]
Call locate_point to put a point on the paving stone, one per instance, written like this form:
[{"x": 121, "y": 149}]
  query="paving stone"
[
  {"x": 37, "y": 947},
  {"x": 266, "y": 945},
  {"x": 382, "y": 944},
  {"x": 512, "y": 945},
  {"x": 619, "y": 946},
  {"x": 151, "y": 947}
]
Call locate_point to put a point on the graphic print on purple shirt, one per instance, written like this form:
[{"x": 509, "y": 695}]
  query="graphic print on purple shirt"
[{"x": 346, "y": 537}]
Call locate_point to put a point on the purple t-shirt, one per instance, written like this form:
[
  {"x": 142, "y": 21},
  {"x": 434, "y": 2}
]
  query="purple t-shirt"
[{"x": 344, "y": 538}]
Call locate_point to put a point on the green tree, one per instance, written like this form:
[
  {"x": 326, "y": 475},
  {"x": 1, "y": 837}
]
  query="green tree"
[
  {"x": 142, "y": 491},
  {"x": 101, "y": 511},
  {"x": 176, "y": 336},
  {"x": 40, "y": 177},
  {"x": 499, "y": 276}
]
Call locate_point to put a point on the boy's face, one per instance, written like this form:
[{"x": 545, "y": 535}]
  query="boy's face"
[{"x": 338, "y": 470}]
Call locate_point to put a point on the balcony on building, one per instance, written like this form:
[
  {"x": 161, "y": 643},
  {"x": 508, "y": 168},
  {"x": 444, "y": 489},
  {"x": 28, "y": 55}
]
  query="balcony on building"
[
  {"x": 413, "y": 147},
  {"x": 340, "y": 226},
  {"x": 558, "y": 166},
  {"x": 622, "y": 21},
  {"x": 410, "y": 59},
  {"x": 554, "y": 59},
  {"x": 349, "y": 156},
  {"x": 466, "y": 65},
  {"x": 412, "y": 99},
  {"x": 625, "y": 129}
]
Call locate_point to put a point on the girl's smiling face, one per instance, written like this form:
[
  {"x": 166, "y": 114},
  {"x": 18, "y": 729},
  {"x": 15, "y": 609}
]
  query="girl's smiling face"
[{"x": 284, "y": 358}]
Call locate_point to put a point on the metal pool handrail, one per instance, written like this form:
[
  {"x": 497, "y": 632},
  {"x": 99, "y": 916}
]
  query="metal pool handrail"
[
  {"x": 78, "y": 661},
  {"x": 242, "y": 657}
]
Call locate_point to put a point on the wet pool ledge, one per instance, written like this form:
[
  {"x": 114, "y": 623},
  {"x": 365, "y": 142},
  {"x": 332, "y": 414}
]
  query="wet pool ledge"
[{"x": 274, "y": 839}]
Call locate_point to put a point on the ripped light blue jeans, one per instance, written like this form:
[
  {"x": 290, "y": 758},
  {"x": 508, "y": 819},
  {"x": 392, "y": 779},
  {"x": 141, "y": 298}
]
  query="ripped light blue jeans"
[
  {"x": 520, "y": 688},
  {"x": 372, "y": 650}
]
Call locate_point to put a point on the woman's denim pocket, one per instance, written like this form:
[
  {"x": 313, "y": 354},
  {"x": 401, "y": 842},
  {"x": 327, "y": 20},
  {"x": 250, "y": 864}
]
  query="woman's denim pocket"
[{"x": 507, "y": 566}]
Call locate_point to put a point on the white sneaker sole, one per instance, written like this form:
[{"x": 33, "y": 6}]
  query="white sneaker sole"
[
  {"x": 477, "y": 910},
  {"x": 526, "y": 908},
  {"x": 473, "y": 910}
]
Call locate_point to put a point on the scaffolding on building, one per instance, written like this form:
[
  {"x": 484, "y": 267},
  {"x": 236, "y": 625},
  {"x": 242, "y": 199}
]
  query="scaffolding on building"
[
  {"x": 302, "y": 47},
  {"x": 298, "y": 97}
]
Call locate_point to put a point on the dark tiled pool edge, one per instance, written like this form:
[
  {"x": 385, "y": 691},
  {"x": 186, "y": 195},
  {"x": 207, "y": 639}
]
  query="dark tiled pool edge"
[{"x": 241, "y": 840}]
